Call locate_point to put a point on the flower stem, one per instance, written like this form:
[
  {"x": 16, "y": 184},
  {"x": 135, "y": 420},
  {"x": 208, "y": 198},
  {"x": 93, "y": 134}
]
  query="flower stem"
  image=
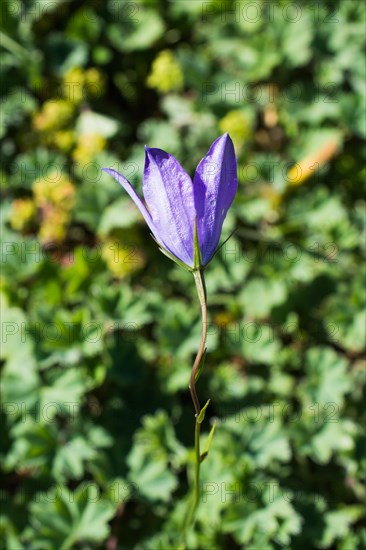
[{"x": 201, "y": 291}]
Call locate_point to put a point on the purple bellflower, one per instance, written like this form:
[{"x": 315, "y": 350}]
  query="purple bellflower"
[{"x": 186, "y": 217}]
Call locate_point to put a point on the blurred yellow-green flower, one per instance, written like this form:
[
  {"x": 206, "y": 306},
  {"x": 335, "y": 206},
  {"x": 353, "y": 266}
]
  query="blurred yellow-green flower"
[
  {"x": 223, "y": 318},
  {"x": 54, "y": 195},
  {"x": 122, "y": 260},
  {"x": 94, "y": 82},
  {"x": 54, "y": 114},
  {"x": 166, "y": 74},
  {"x": 73, "y": 85},
  {"x": 238, "y": 125},
  {"x": 79, "y": 84},
  {"x": 64, "y": 140},
  {"x": 22, "y": 214},
  {"x": 54, "y": 189},
  {"x": 88, "y": 145},
  {"x": 54, "y": 225}
]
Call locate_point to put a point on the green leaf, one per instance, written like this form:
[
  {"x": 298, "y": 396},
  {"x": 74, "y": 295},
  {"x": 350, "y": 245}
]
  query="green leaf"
[
  {"x": 90, "y": 122},
  {"x": 154, "y": 481},
  {"x": 63, "y": 519},
  {"x": 140, "y": 32},
  {"x": 155, "y": 445},
  {"x": 121, "y": 213},
  {"x": 20, "y": 378},
  {"x": 63, "y": 394},
  {"x": 327, "y": 381},
  {"x": 65, "y": 53},
  {"x": 202, "y": 413},
  {"x": 259, "y": 296},
  {"x": 339, "y": 522},
  {"x": 208, "y": 442},
  {"x": 15, "y": 107},
  {"x": 80, "y": 454}
]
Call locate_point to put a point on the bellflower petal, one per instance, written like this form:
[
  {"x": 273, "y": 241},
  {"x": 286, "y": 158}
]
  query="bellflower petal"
[
  {"x": 215, "y": 184},
  {"x": 136, "y": 199},
  {"x": 168, "y": 192}
]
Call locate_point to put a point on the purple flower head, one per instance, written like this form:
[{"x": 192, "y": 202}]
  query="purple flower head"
[{"x": 186, "y": 217}]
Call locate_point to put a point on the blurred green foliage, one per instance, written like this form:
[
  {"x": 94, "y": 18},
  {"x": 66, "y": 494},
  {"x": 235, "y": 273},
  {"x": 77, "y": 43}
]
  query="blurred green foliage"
[{"x": 99, "y": 330}]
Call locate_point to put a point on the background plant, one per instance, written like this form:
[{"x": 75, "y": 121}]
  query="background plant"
[{"x": 98, "y": 329}]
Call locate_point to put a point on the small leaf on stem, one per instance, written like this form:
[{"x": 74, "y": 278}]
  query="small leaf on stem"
[
  {"x": 201, "y": 415},
  {"x": 208, "y": 443}
]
